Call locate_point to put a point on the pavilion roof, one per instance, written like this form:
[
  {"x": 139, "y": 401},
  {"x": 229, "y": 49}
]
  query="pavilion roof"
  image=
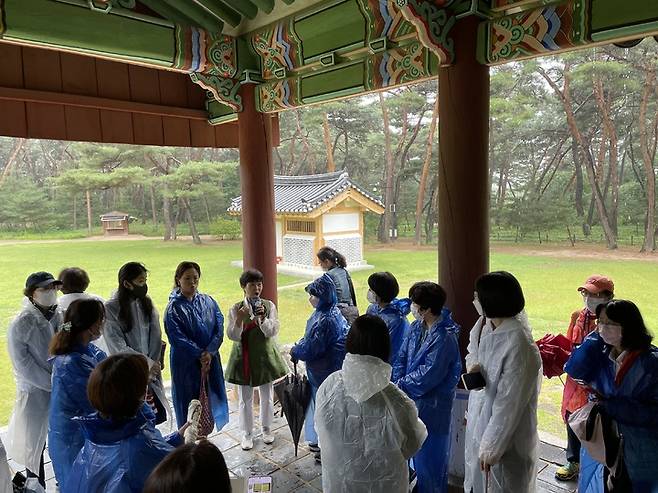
[{"x": 304, "y": 194}]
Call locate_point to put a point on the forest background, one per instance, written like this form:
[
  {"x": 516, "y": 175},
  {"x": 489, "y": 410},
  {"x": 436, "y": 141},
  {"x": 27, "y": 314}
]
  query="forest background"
[{"x": 573, "y": 142}]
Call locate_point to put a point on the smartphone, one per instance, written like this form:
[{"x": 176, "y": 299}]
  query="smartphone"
[{"x": 473, "y": 381}]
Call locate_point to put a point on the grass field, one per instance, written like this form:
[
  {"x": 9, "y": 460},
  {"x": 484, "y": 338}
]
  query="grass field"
[{"x": 549, "y": 279}]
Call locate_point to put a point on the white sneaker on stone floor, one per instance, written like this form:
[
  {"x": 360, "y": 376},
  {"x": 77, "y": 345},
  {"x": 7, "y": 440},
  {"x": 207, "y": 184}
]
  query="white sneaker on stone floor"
[
  {"x": 247, "y": 442},
  {"x": 267, "y": 436}
]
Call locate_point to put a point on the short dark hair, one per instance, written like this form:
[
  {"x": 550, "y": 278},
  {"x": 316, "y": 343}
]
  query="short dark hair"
[
  {"x": 384, "y": 285},
  {"x": 117, "y": 385},
  {"x": 182, "y": 267},
  {"x": 250, "y": 275},
  {"x": 500, "y": 294},
  {"x": 74, "y": 280},
  {"x": 188, "y": 469},
  {"x": 369, "y": 336},
  {"x": 29, "y": 292},
  {"x": 634, "y": 334},
  {"x": 81, "y": 315},
  {"x": 427, "y": 294}
]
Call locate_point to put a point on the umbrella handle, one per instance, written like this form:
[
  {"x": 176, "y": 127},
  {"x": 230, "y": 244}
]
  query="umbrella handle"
[{"x": 294, "y": 365}]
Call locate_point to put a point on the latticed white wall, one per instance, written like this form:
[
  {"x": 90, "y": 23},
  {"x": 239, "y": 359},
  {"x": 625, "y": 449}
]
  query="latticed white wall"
[
  {"x": 349, "y": 245},
  {"x": 298, "y": 249}
]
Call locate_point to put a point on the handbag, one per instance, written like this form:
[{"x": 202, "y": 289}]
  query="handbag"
[{"x": 207, "y": 420}]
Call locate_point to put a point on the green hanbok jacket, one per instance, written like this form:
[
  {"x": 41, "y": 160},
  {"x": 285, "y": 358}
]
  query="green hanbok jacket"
[{"x": 255, "y": 359}]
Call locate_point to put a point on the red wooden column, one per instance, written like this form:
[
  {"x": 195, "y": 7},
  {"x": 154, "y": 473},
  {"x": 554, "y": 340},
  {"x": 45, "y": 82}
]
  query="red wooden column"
[
  {"x": 463, "y": 175},
  {"x": 257, "y": 184}
]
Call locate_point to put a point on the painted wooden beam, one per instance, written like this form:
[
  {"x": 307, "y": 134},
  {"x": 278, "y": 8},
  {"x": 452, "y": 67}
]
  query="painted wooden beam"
[
  {"x": 246, "y": 8},
  {"x": 220, "y": 10},
  {"x": 565, "y": 26},
  {"x": 168, "y": 12},
  {"x": 210, "y": 23},
  {"x": 265, "y": 5}
]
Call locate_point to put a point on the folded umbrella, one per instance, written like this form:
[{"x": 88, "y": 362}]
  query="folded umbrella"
[
  {"x": 554, "y": 351},
  {"x": 294, "y": 393}
]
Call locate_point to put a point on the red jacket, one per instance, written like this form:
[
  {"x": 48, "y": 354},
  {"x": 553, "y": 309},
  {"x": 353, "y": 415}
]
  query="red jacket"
[{"x": 575, "y": 396}]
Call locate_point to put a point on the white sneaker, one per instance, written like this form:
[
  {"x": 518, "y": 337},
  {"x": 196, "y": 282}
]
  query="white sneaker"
[
  {"x": 247, "y": 442},
  {"x": 267, "y": 436}
]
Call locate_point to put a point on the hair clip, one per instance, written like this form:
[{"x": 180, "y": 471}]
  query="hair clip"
[{"x": 66, "y": 327}]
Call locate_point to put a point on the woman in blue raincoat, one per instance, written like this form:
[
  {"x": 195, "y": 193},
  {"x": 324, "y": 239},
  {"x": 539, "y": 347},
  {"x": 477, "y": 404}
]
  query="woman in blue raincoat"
[
  {"x": 427, "y": 370},
  {"x": 383, "y": 303},
  {"x": 619, "y": 363},
  {"x": 74, "y": 358},
  {"x": 195, "y": 327},
  {"x": 323, "y": 346},
  {"x": 122, "y": 445}
]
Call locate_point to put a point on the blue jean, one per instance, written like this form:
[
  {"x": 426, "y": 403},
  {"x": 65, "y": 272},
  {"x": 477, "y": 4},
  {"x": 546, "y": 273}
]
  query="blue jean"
[{"x": 310, "y": 435}]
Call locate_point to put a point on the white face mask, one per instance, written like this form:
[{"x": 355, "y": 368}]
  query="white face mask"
[
  {"x": 611, "y": 334},
  {"x": 46, "y": 297},
  {"x": 314, "y": 301},
  {"x": 415, "y": 311},
  {"x": 591, "y": 302},
  {"x": 478, "y": 307},
  {"x": 371, "y": 296}
]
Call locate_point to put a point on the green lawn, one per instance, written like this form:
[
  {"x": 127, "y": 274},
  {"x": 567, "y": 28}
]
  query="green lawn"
[{"x": 549, "y": 284}]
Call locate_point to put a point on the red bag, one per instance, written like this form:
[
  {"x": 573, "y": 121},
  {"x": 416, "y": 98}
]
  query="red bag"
[{"x": 207, "y": 420}]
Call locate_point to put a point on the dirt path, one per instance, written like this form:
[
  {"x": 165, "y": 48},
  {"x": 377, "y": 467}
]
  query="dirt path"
[
  {"x": 580, "y": 251},
  {"x": 204, "y": 238}
]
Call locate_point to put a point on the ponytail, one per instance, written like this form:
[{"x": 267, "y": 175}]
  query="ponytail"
[
  {"x": 328, "y": 253},
  {"x": 80, "y": 317}
]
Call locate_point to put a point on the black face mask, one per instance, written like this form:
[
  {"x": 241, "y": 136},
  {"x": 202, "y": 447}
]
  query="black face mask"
[{"x": 140, "y": 291}]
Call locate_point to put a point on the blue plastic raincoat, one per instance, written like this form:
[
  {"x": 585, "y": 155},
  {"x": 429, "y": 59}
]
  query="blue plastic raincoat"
[
  {"x": 395, "y": 316},
  {"x": 194, "y": 327},
  {"x": 632, "y": 402},
  {"x": 69, "y": 399},
  {"x": 323, "y": 344},
  {"x": 118, "y": 456},
  {"x": 428, "y": 372}
]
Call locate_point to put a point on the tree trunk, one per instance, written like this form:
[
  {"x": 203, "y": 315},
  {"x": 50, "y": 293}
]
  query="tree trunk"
[
  {"x": 166, "y": 213},
  {"x": 384, "y": 235},
  {"x": 429, "y": 146},
  {"x": 190, "y": 220},
  {"x": 590, "y": 165},
  {"x": 579, "y": 184},
  {"x": 174, "y": 225},
  {"x": 75, "y": 212},
  {"x": 12, "y": 159},
  {"x": 88, "y": 212},
  {"x": 153, "y": 210},
  {"x": 326, "y": 135},
  {"x": 613, "y": 155},
  {"x": 649, "y": 244}
]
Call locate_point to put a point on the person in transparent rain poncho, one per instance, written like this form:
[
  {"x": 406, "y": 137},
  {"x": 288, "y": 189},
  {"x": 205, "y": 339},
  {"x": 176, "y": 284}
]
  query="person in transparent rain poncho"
[
  {"x": 28, "y": 337},
  {"x": 132, "y": 325},
  {"x": 501, "y": 423},
  {"x": 367, "y": 427}
]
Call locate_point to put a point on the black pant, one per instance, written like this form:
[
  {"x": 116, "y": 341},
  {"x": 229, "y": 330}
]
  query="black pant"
[
  {"x": 42, "y": 472},
  {"x": 573, "y": 444}
]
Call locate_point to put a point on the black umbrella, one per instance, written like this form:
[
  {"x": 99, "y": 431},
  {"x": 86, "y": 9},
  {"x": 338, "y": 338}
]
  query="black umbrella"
[{"x": 294, "y": 393}]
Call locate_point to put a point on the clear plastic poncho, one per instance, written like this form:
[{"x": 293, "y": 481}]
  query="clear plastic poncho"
[
  {"x": 367, "y": 427},
  {"x": 28, "y": 338},
  {"x": 501, "y": 422}
]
